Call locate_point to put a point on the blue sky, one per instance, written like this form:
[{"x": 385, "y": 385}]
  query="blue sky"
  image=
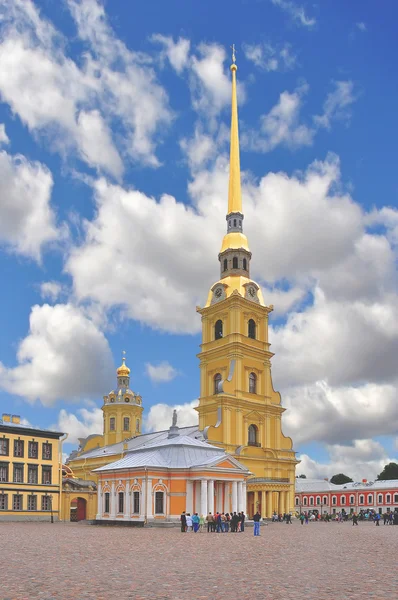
[{"x": 114, "y": 125}]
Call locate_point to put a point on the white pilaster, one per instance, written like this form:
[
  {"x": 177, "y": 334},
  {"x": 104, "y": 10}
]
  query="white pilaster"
[
  {"x": 142, "y": 501},
  {"x": 149, "y": 509},
  {"x": 240, "y": 495},
  {"x": 197, "y": 496},
  {"x": 203, "y": 497},
  {"x": 112, "y": 500},
  {"x": 127, "y": 496},
  {"x": 219, "y": 488},
  {"x": 234, "y": 496},
  {"x": 210, "y": 496},
  {"x": 244, "y": 492},
  {"x": 189, "y": 500},
  {"x": 99, "y": 501}
]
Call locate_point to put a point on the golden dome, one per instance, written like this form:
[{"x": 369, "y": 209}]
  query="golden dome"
[
  {"x": 123, "y": 370},
  {"x": 234, "y": 241}
]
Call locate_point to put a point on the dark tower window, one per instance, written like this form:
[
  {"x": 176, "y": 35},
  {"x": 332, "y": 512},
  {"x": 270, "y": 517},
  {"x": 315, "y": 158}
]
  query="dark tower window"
[
  {"x": 137, "y": 425},
  {"x": 217, "y": 381},
  {"x": 235, "y": 262},
  {"x": 218, "y": 330},
  {"x": 225, "y": 264},
  {"x": 253, "y": 383},
  {"x": 234, "y": 222},
  {"x": 126, "y": 424},
  {"x": 159, "y": 503},
  {"x": 244, "y": 264},
  {"x": 112, "y": 424},
  {"x": 253, "y": 435},
  {"x": 251, "y": 329},
  {"x": 121, "y": 502}
]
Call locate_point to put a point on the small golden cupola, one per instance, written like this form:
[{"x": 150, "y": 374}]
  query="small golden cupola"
[{"x": 122, "y": 409}]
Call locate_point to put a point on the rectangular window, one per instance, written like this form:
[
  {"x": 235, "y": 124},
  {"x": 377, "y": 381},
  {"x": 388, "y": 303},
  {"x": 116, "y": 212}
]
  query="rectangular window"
[
  {"x": 3, "y": 472},
  {"x": 318, "y": 501},
  {"x": 325, "y": 500},
  {"x": 106, "y": 502},
  {"x": 33, "y": 450},
  {"x": 33, "y": 474},
  {"x": 121, "y": 502},
  {"x": 351, "y": 499},
  {"x": 32, "y": 502},
  {"x": 342, "y": 500},
  {"x": 159, "y": 502},
  {"x": 47, "y": 451},
  {"x": 17, "y": 502},
  {"x": 18, "y": 474},
  {"x": 46, "y": 475},
  {"x": 3, "y": 501},
  {"x": 112, "y": 424},
  {"x": 136, "y": 510},
  {"x": 18, "y": 448},
  {"x": 4, "y": 446},
  {"x": 46, "y": 502}
]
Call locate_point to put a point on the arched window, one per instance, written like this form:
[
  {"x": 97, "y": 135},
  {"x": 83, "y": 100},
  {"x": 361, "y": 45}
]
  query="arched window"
[
  {"x": 352, "y": 499},
  {"x": 318, "y": 500},
  {"x": 217, "y": 381},
  {"x": 121, "y": 502},
  {"x": 218, "y": 330},
  {"x": 253, "y": 431},
  {"x": 251, "y": 329},
  {"x": 334, "y": 500},
  {"x": 325, "y": 499},
  {"x": 126, "y": 424},
  {"x": 342, "y": 500},
  {"x": 312, "y": 501},
  {"x": 395, "y": 498},
  {"x": 380, "y": 499},
  {"x": 297, "y": 501},
  {"x": 225, "y": 264},
  {"x": 388, "y": 499},
  {"x": 234, "y": 222},
  {"x": 235, "y": 262},
  {"x": 106, "y": 507},
  {"x": 112, "y": 424},
  {"x": 370, "y": 499},
  {"x": 361, "y": 499},
  {"x": 244, "y": 264},
  {"x": 305, "y": 501},
  {"x": 253, "y": 383},
  {"x": 159, "y": 503},
  {"x": 137, "y": 425}
]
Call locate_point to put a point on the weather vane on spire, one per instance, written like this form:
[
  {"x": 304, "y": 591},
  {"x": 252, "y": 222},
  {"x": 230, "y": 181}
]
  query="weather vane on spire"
[{"x": 233, "y": 53}]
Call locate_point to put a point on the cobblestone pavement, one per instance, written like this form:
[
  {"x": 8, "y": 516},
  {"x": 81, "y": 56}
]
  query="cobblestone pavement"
[{"x": 321, "y": 561}]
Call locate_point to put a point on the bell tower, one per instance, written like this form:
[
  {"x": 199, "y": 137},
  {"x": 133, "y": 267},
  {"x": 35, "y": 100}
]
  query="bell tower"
[{"x": 238, "y": 408}]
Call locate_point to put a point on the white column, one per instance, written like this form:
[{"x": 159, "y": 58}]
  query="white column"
[
  {"x": 189, "y": 498},
  {"x": 99, "y": 501},
  {"x": 244, "y": 493},
  {"x": 142, "y": 500},
  {"x": 234, "y": 496},
  {"x": 149, "y": 509},
  {"x": 127, "y": 502},
  {"x": 240, "y": 495},
  {"x": 197, "y": 496},
  {"x": 227, "y": 496},
  {"x": 219, "y": 496},
  {"x": 210, "y": 496},
  {"x": 112, "y": 499},
  {"x": 203, "y": 497}
]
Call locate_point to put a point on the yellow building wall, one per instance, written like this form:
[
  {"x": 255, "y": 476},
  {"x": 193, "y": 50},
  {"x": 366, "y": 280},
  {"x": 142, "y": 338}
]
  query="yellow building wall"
[{"x": 26, "y": 489}]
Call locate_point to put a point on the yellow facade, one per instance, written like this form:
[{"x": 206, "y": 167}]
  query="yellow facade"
[{"x": 30, "y": 478}]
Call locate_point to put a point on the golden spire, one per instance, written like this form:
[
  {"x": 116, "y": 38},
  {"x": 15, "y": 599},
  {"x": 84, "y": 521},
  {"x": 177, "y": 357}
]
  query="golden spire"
[
  {"x": 123, "y": 370},
  {"x": 234, "y": 191}
]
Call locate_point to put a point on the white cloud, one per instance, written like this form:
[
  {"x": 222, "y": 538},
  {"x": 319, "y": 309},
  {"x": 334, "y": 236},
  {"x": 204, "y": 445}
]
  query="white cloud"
[
  {"x": 81, "y": 425},
  {"x": 361, "y": 26},
  {"x": 199, "y": 149},
  {"x": 363, "y": 459},
  {"x": 75, "y": 106},
  {"x": 297, "y": 13},
  {"x": 176, "y": 52},
  {"x": 27, "y": 221},
  {"x": 3, "y": 136},
  {"x": 337, "y": 104},
  {"x": 160, "y": 416},
  {"x": 64, "y": 356},
  {"x": 270, "y": 58},
  {"x": 51, "y": 290},
  {"x": 162, "y": 372}
]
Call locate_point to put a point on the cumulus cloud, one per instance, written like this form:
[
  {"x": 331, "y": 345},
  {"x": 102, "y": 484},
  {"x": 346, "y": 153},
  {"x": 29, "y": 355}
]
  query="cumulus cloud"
[
  {"x": 160, "y": 416},
  {"x": 81, "y": 425},
  {"x": 176, "y": 52},
  {"x": 80, "y": 101},
  {"x": 64, "y": 356},
  {"x": 295, "y": 12},
  {"x": 363, "y": 459},
  {"x": 27, "y": 220},
  {"x": 337, "y": 104},
  {"x": 270, "y": 58},
  {"x": 162, "y": 372},
  {"x": 3, "y": 136},
  {"x": 361, "y": 26},
  {"x": 50, "y": 290}
]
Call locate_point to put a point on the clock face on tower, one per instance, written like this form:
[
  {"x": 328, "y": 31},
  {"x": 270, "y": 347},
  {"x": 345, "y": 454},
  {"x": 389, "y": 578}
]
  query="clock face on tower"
[
  {"x": 218, "y": 292},
  {"x": 252, "y": 292}
]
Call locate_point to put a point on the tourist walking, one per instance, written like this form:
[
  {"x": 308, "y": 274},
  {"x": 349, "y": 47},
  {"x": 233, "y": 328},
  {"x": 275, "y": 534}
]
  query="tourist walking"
[
  {"x": 201, "y": 523},
  {"x": 302, "y": 517},
  {"x": 195, "y": 522},
  {"x": 189, "y": 522},
  {"x": 289, "y": 519},
  {"x": 242, "y": 520},
  {"x": 256, "y": 520},
  {"x": 183, "y": 520},
  {"x": 355, "y": 519}
]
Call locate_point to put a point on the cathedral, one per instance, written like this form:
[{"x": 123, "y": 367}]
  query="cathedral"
[{"x": 237, "y": 457}]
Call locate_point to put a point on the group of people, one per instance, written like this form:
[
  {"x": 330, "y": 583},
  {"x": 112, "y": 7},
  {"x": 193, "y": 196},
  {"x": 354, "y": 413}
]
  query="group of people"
[
  {"x": 216, "y": 523},
  {"x": 389, "y": 518}
]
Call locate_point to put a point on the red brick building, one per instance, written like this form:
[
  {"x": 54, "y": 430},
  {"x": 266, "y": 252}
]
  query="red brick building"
[{"x": 325, "y": 497}]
